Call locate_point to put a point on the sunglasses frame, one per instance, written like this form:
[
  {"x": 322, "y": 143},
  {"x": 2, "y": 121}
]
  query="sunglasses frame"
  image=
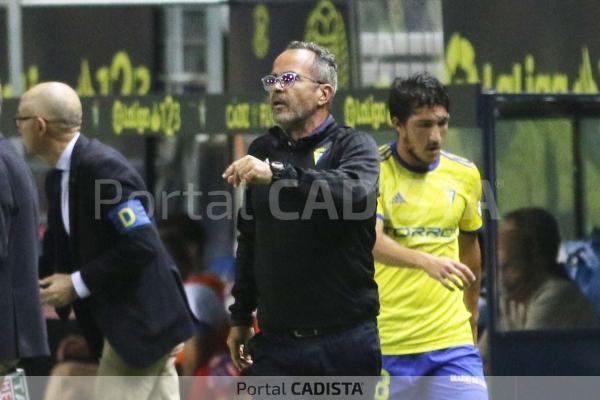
[{"x": 284, "y": 83}]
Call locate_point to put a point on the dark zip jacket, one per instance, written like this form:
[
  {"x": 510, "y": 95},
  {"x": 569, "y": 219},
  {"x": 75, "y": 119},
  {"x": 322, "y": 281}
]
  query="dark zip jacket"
[{"x": 304, "y": 257}]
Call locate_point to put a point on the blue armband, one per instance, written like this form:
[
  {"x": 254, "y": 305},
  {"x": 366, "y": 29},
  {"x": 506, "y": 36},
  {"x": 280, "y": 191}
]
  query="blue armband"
[{"x": 128, "y": 216}]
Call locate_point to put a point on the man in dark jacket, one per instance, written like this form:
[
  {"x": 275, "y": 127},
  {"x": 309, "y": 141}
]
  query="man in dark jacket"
[
  {"x": 102, "y": 253},
  {"x": 306, "y": 232},
  {"x": 22, "y": 330}
]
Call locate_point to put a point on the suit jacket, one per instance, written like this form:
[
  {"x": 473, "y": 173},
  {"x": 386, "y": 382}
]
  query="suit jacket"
[
  {"x": 22, "y": 327},
  {"x": 137, "y": 300}
]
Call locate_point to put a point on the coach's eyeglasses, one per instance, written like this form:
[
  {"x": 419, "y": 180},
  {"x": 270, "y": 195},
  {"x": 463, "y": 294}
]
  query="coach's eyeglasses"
[{"x": 286, "y": 79}]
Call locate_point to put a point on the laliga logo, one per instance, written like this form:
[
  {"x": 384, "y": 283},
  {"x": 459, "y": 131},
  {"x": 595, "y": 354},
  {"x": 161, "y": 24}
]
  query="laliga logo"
[{"x": 325, "y": 26}]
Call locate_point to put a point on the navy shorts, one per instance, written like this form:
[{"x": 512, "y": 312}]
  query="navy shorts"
[{"x": 453, "y": 373}]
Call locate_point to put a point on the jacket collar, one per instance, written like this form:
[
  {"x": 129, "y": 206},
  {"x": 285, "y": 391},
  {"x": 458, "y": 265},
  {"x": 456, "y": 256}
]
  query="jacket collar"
[
  {"x": 64, "y": 161},
  {"x": 78, "y": 149},
  {"x": 309, "y": 141}
]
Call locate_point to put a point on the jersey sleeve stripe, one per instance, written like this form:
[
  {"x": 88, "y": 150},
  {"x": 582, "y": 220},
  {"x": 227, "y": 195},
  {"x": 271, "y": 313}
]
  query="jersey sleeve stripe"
[{"x": 475, "y": 232}]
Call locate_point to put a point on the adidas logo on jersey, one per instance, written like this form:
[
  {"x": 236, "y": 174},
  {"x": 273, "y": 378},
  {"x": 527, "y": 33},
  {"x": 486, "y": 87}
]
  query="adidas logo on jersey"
[{"x": 397, "y": 199}]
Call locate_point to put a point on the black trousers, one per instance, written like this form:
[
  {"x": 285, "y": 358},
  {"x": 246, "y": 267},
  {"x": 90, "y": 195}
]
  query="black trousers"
[{"x": 351, "y": 352}]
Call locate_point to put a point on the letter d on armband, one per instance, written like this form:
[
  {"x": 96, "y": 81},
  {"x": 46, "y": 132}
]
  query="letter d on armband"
[{"x": 127, "y": 217}]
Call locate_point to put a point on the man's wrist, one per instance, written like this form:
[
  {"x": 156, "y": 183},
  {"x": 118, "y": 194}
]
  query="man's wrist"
[
  {"x": 422, "y": 260},
  {"x": 79, "y": 285},
  {"x": 277, "y": 170}
]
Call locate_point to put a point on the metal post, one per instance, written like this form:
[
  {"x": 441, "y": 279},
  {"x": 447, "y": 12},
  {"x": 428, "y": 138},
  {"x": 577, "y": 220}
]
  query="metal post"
[
  {"x": 578, "y": 179},
  {"x": 15, "y": 47},
  {"x": 487, "y": 121},
  {"x": 355, "y": 51},
  {"x": 173, "y": 48},
  {"x": 214, "y": 49}
]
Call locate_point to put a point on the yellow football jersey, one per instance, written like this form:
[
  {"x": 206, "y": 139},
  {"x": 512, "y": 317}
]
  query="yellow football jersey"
[{"x": 424, "y": 209}]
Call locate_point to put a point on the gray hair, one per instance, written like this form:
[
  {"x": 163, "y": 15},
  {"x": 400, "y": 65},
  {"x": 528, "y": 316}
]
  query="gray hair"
[{"x": 325, "y": 67}]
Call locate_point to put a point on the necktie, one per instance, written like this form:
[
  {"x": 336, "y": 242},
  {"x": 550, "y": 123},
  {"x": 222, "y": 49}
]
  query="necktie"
[
  {"x": 61, "y": 262},
  {"x": 53, "y": 193},
  {"x": 61, "y": 244}
]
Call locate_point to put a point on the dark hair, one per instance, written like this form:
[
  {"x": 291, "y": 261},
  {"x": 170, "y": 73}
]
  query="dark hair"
[
  {"x": 537, "y": 230},
  {"x": 417, "y": 91},
  {"x": 180, "y": 234},
  {"x": 74, "y": 348},
  {"x": 325, "y": 67}
]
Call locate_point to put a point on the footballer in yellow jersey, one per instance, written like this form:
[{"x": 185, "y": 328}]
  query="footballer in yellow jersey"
[
  {"x": 426, "y": 211},
  {"x": 427, "y": 253}
]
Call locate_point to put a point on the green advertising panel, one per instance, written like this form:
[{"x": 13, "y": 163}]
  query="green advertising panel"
[
  {"x": 99, "y": 51},
  {"x": 260, "y": 30},
  {"x": 168, "y": 116},
  {"x": 518, "y": 46}
]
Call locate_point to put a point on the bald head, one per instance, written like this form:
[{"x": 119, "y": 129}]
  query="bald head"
[
  {"x": 57, "y": 103},
  {"x": 49, "y": 116}
]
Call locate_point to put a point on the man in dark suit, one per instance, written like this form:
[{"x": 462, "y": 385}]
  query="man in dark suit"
[
  {"x": 22, "y": 327},
  {"x": 103, "y": 254}
]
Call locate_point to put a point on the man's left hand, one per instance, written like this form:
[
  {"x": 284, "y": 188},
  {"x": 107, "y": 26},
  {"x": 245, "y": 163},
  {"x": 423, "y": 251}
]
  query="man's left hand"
[
  {"x": 57, "y": 290},
  {"x": 248, "y": 170}
]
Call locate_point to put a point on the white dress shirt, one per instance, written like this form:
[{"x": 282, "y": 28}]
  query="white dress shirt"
[{"x": 64, "y": 164}]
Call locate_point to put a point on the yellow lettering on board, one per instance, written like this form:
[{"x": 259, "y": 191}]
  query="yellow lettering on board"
[{"x": 460, "y": 61}]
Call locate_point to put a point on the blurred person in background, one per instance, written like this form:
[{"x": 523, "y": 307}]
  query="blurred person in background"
[
  {"x": 22, "y": 326},
  {"x": 536, "y": 290},
  {"x": 185, "y": 240}
]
